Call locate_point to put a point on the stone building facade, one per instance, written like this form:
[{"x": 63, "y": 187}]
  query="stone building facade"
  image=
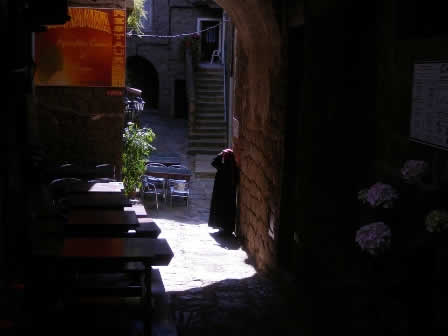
[{"x": 167, "y": 18}]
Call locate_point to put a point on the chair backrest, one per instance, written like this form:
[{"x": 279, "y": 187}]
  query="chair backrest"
[
  {"x": 156, "y": 164},
  {"x": 179, "y": 185},
  {"x": 59, "y": 187},
  {"x": 102, "y": 180},
  {"x": 156, "y": 181},
  {"x": 178, "y": 166},
  {"x": 105, "y": 170}
]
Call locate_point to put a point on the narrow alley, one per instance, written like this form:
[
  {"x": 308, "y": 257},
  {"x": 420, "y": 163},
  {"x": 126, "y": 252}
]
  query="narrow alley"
[{"x": 212, "y": 286}]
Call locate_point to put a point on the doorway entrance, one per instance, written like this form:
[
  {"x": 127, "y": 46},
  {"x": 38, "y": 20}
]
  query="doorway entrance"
[{"x": 210, "y": 39}]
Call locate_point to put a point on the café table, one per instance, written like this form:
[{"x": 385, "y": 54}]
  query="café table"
[
  {"x": 108, "y": 223},
  {"x": 91, "y": 187},
  {"x": 169, "y": 172},
  {"x": 166, "y": 159},
  {"x": 73, "y": 253},
  {"x": 105, "y": 200},
  {"x": 100, "y": 220}
]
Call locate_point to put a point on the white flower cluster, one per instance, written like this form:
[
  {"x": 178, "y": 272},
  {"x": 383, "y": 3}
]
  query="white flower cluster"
[
  {"x": 374, "y": 238},
  {"x": 379, "y": 194}
]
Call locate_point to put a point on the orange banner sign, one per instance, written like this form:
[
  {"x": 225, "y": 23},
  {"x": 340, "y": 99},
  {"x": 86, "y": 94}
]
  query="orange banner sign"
[{"x": 88, "y": 50}]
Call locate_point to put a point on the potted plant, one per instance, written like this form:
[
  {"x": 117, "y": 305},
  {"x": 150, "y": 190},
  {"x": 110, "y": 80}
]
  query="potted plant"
[{"x": 136, "y": 149}]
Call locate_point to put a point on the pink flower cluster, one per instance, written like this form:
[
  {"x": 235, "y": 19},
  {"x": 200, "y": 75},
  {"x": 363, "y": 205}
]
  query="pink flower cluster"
[
  {"x": 374, "y": 238},
  {"x": 379, "y": 194},
  {"x": 413, "y": 168}
]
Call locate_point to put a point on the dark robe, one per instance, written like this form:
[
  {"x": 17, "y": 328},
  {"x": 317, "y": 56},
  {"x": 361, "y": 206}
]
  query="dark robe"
[{"x": 223, "y": 201}]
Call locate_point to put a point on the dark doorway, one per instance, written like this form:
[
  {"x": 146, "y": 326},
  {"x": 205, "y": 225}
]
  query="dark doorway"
[
  {"x": 141, "y": 74},
  {"x": 180, "y": 100},
  {"x": 209, "y": 39}
]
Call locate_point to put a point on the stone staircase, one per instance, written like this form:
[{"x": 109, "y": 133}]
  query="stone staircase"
[{"x": 208, "y": 135}]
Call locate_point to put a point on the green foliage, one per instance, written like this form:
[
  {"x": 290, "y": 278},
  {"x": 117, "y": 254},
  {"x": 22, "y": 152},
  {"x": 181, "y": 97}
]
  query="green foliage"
[
  {"x": 136, "y": 149},
  {"x": 136, "y": 16}
]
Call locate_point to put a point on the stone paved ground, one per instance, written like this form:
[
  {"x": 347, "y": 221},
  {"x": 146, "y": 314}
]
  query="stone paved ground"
[{"x": 213, "y": 288}]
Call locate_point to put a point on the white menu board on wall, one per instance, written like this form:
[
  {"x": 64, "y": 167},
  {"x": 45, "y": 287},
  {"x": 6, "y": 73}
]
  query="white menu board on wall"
[{"x": 429, "y": 117}]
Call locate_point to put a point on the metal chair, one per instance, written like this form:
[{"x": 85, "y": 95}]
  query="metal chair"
[
  {"x": 102, "y": 180},
  {"x": 178, "y": 166},
  {"x": 156, "y": 164},
  {"x": 215, "y": 53},
  {"x": 152, "y": 186},
  {"x": 58, "y": 188},
  {"x": 105, "y": 170},
  {"x": 178, "y": 189}
]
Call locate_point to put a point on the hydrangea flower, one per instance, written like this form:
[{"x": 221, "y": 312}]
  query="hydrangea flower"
[
  {"x": 379, "y": 194},
  {"x": 436, "y": 221},
  {"x": 413, "y": 169},
  {"x": 374, "y": 238}
]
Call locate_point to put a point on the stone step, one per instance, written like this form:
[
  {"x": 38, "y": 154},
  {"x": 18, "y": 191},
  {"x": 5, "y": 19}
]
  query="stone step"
[
  {"x": 209, "y": 86},
  {"x": 206, "y": 75},
  {"x": 208, "y": 79},
  {"x": 209, "y": 116},
  {"x": 204, "y": 150},
  {"x": 209, "y": 70},
  {"x": 210, "y": 99},
  {"x": 211, "y": 105},
  {"x": 208, "y": 129},
  {"x": 202, "y": 136},
  {"x": 209, "y": 123},
  {"x": 210, "y": 92},
  {"x": 206, "y": 143}
]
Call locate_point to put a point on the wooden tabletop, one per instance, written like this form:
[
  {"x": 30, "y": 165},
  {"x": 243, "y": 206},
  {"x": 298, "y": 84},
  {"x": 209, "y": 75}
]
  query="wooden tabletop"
[
  {"x": 87, "y": 187},
  {"x": 169, "y": 172},
  {"x": 102, "y": 217},
  {"x": 154, "y": 252},
  {"x": 105, "y": 200},
  {"x": 100, "y": 220}
]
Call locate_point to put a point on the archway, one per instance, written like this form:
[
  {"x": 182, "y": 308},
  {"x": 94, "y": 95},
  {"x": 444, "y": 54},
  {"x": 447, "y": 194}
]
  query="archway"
[
  {"x": 142, "y": 74},
  {"x": 260, "y": 95}
]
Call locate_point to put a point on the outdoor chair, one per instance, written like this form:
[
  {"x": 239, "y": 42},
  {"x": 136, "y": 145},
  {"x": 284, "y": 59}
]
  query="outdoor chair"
[
  {"x": 102, "y": 180},
  {"x": 105, "y": 170},
  {"x": 156, "y": 164},
  {"x": 178, "y": 189},
  {"x": 58, "y": 188},
  {"x": 215, "y": 53},
  {"x": 152, "y": 186},
  {"x": 178, "y": 166}
]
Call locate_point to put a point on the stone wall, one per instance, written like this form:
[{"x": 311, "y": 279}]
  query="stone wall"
[
  {"x": 166, "y": 54},
  {"x": 259, "y": 108},
  {"x": 351, "y": 127}
]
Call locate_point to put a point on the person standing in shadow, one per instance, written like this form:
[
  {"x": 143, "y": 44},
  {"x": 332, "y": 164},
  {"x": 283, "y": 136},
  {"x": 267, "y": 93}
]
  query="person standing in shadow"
[{"x": 223, "y": 200}]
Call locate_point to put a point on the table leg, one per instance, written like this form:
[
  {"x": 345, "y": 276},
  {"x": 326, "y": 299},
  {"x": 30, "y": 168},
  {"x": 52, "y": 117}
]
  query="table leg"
[{"x": 148, "y": 301}]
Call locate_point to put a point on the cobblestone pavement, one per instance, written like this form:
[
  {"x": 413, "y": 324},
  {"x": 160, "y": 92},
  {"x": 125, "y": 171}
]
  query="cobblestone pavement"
[{"x": 212, "y": 286}]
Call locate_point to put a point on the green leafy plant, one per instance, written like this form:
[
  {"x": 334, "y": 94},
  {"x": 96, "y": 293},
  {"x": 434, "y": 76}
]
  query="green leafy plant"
[
  {"x": 135, "y": 18},
  {"x": 136, "y": 149}
]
